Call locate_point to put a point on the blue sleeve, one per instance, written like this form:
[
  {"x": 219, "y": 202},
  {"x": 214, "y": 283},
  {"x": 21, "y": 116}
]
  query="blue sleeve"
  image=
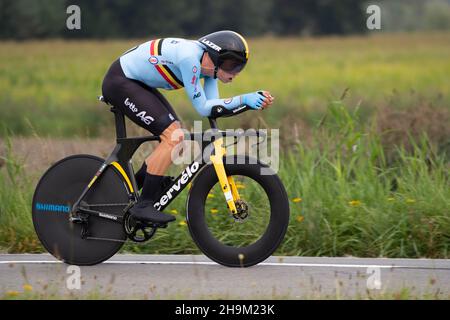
[
  {"x": 211, "y": 88},
  {"x": 190, "y": 72}
]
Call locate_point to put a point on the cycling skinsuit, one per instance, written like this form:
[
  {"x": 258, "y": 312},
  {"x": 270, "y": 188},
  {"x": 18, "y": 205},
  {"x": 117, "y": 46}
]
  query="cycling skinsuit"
[{"x": 172, "y": 63}]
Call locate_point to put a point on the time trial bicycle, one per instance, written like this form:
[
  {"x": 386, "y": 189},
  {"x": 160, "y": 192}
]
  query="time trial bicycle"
[{"x": 236, "y": 216}]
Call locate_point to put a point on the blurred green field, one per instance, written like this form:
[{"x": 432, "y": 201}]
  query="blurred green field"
[{"x": 50, "y": 87}]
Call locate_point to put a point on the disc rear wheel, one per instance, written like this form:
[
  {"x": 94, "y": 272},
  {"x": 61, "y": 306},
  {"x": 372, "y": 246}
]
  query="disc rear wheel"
[{"x": 59, "y": 188}]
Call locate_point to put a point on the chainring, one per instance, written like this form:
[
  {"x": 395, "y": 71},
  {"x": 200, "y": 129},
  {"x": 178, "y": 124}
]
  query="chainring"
[{"x": 137, "y": 231}]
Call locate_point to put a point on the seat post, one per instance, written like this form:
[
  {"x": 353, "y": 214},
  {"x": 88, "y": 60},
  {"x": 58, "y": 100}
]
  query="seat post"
[{"x": 121, "y": 130}]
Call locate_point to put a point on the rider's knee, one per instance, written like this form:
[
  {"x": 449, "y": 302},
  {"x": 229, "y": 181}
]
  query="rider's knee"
[{"x": 172, "y": 135}]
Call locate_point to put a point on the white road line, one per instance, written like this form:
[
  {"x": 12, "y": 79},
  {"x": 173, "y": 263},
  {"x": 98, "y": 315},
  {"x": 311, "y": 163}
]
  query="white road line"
[{"x": 261, "y": 264}]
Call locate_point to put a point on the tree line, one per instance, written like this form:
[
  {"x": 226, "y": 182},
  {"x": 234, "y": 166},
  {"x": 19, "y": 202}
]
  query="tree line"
[{"x": 24, "y": 19}]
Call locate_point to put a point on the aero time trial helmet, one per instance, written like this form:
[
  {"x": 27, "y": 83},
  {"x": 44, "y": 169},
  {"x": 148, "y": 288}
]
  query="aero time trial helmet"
[{"x": 228, "y": 50}]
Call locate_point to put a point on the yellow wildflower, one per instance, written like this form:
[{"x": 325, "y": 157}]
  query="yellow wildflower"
[
  {"x": 300, "y": 218},
  {"x": 27, "y": 287},
  {"x": 214, "y": 211},
  {"x": 183, "y": 223},
  {"x": 12, "y": 293},
  {"x": 354, "y": 203},
  {"x": 211, "y": 195},
  {"x": 174, "y": 211},
  {"x": 296, "y": 200}
]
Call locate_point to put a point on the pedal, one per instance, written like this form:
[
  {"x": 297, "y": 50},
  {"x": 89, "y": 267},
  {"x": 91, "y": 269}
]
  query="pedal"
[
  {"x": 156, "y": 225},
  {"x": 141, "y": 232},
  {"x": 148, "y": 224}
]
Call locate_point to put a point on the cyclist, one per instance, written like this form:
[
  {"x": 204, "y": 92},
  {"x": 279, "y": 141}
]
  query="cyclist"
[{"x": 131, "y": 85}]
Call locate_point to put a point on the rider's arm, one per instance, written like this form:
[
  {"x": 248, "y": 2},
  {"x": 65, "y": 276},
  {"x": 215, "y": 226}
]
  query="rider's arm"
[
  {"x": 211, "y": 88},
  {"x": 190, "y": 72}
]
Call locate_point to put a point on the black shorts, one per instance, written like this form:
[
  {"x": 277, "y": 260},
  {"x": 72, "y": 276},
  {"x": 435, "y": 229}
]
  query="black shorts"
[{"x": 143, "y": 105}]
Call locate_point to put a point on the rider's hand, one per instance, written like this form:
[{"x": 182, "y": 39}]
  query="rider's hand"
[
  {"x": 257, "y": 100},
  {"x": 268, "y": 99},
  {"x": 254, "y": 100}
]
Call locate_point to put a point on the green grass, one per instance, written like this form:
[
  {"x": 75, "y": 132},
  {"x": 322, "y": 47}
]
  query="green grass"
[
  {"x": 30, "y": 293},
  {"x": 355, "y": 203},
  {"x": 346, "y": 198},
  {"x": 50, "y": 87}
]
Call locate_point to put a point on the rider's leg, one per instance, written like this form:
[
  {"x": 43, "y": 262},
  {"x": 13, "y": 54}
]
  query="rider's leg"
[
  {"x": 157, "y": 164},
  {"x": 139, "y": 176},
  {"x": 160, "y": 160},
  {"x": 142, "y": 172},
  {"x": 168, "y": 136}
]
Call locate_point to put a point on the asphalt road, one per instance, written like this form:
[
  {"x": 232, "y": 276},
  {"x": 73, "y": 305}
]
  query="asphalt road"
[{"x": 197, "y": 277}]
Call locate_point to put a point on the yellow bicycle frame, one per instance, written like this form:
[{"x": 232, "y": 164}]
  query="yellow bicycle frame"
[
  {"x": 120, "y": 169},
  {"x": 226, "y": 183}
]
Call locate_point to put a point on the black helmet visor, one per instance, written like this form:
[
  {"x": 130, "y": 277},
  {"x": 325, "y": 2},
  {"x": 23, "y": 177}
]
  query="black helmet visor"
[{"x": 231, "y": 62}]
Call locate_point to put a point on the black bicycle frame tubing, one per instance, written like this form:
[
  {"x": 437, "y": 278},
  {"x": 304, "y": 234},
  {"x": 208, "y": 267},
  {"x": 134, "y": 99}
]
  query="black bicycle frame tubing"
[
  {"x": 183, "y": 180},
  {"x": 122, "y": 153},
  {"x": 103, "y": 215}
]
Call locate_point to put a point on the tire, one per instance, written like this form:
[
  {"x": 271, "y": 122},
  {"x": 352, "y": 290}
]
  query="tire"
[
  {"x": 58, "y": 189},
  {"x": 269, "y": 240}
]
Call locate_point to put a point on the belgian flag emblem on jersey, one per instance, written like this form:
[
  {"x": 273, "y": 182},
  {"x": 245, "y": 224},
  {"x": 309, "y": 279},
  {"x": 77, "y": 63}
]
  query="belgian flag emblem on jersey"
[{"x": 164, "y": 71}]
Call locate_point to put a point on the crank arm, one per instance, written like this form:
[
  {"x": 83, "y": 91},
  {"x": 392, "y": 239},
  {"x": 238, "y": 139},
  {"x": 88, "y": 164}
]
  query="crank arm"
[{"x": 102, "y": 215}]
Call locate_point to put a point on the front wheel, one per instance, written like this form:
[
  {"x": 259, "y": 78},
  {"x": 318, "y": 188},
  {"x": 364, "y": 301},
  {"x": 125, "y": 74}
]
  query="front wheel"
[{"x": 248, "y": 239}]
